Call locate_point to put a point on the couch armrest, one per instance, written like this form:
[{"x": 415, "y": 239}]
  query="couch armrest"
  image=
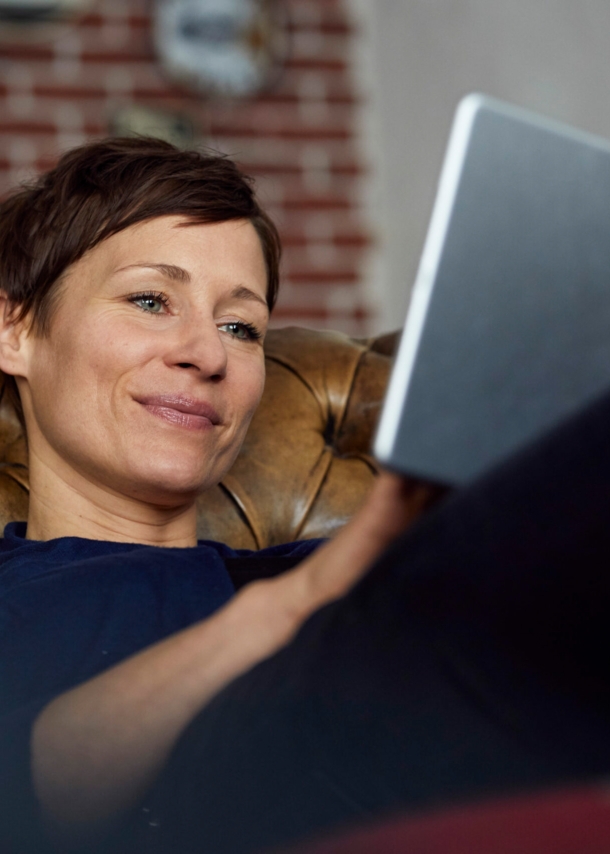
[{"x": 305, "y": 466}]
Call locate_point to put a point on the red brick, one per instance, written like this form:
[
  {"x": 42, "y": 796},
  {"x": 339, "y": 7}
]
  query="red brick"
[
  {"x": 97, "y": 19},
  {"x": 319, "y": 278},
  {"x": 298, "y": 137},
  {"x": 355, "y": 240}
]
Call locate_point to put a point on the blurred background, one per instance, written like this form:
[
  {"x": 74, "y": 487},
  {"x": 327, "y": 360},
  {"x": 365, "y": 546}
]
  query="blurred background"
[{"x": 340, "y": 109}]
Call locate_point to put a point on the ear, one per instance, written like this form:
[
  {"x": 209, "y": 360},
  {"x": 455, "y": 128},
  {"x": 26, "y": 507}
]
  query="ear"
[{"x": 13, "y": 337}]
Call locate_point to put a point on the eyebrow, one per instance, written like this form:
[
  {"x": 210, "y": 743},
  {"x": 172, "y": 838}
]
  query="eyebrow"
[
  {"x": 170, "y": 271},
  {"x": 240, "y": 292},
  {"x": 179, "y": 274}
]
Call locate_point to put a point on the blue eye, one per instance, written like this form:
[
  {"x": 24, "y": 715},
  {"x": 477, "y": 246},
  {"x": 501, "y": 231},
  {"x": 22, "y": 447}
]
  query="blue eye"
[
  {"x": 242, "y": 331},
  {"x": 151, "y": 303}
]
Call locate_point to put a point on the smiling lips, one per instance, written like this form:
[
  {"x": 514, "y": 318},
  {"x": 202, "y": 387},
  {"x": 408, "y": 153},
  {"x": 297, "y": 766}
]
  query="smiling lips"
[{"x": 182, "y": 411}]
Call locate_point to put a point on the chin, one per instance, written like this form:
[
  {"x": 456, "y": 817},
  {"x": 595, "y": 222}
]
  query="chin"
[{"x": 171, "y": 486}]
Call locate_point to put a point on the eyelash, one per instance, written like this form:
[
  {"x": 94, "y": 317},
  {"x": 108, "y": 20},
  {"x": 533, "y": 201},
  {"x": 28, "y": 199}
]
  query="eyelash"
[
  {"x": 152, "y": 295},
  {"x": 251, "y": 331}
]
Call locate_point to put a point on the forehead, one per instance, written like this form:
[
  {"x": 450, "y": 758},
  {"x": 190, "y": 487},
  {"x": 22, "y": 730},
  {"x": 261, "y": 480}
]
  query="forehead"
[{"x": 209, "y": 252}]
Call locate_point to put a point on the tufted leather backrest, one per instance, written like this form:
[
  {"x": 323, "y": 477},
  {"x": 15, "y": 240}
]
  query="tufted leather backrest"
[{"x": 305, "y": 465}]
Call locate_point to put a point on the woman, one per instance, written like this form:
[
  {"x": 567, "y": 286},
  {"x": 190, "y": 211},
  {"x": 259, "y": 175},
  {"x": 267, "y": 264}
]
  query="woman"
[
  {"x": 137, "y": 287},
  {"x": 137, "y": 283}
]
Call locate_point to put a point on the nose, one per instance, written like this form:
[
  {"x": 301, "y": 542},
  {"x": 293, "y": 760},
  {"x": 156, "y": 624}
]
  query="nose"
[{"x": 199, "y": 347}]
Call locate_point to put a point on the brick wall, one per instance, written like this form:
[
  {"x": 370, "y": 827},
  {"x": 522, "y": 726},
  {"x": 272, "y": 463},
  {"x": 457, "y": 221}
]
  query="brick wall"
[{"x": 299, "y": 139}]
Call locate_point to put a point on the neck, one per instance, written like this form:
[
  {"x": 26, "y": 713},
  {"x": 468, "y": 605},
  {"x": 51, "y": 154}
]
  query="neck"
[{"x": 64, "y": 504}]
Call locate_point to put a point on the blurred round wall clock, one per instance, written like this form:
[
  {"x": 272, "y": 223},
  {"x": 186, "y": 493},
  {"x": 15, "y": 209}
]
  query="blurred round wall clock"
[{"x": 222, "y": 47}]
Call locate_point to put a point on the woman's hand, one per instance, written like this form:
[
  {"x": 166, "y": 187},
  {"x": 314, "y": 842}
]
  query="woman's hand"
[{"x": 391, "y": 507}]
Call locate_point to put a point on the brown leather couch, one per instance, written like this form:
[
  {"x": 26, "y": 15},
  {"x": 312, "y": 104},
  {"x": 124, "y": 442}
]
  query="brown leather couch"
[{"x": 305, "y": 465}]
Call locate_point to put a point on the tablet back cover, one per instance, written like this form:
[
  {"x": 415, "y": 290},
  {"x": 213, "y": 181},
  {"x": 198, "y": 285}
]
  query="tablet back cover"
[{"x": 508, "y": 330}]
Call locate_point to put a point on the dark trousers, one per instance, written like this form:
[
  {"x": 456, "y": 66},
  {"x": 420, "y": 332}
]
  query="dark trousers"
[{"x": 471, "y": 661}]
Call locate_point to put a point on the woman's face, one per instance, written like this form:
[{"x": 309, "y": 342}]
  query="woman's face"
[{"x": 154, "y": 363}]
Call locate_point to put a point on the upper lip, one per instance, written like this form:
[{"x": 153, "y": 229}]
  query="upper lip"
[{"x": 182, "y": 403}]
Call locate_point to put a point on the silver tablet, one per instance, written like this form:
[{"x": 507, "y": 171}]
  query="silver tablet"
[{"x": 508, "y": 329}]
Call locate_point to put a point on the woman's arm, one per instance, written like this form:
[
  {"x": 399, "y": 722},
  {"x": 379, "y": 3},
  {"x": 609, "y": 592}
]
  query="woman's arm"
[{"x": 96, "y": 748}]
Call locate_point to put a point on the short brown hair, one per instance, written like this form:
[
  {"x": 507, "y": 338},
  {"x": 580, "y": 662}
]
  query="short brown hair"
[{"x": 101, "y": 188}]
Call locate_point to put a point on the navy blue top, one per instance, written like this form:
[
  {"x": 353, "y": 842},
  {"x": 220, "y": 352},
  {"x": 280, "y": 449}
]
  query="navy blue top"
[{"x": 71, "y": 607}]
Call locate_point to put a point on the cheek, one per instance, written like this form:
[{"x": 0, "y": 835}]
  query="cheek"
[
  {"x": 109, "y": 347},
  {"x": 63, "y": 392},
  {"x": 76, "y": 371},
  {"x": 253, "y": 384}
]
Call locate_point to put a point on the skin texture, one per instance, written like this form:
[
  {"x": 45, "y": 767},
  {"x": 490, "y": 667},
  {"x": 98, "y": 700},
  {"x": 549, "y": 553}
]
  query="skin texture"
[
  {"x": 121, "y": 470},
  {"x": 107, "y": 464}
]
